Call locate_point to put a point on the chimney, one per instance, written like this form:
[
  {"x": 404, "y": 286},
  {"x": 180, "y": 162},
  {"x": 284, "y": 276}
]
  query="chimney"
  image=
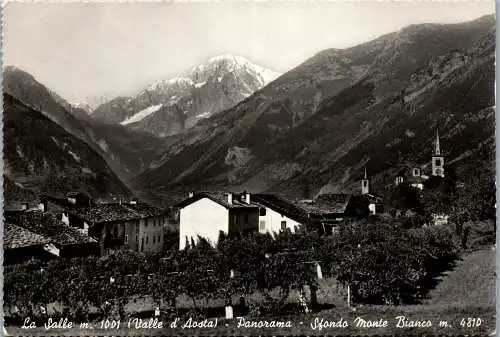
[
  {"x": 133, "y": 202},
  {"x": 247, "y": 198},
  {"x": 230, "y": 198},
  {"x": 191, "y": 194}
]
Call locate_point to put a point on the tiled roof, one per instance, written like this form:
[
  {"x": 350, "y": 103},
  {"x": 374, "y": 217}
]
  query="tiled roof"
[
  {"x": 65, "y": 204},
  {"x": 46, "y": 225},
  {"x": 372, "y": 197},
  {"x": 18, "y": 237},
  {"x": 415, "y": 180},
  {"x": 219, "y": 197},
  {"x": 109, "y": 212},
  {"x": 328, "y": 204},
  {"x": 325, "y": 204},
  {"x": 281, "y": 205}
]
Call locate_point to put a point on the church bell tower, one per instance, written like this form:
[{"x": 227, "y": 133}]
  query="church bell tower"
[
  {"x": 437, "y": 159},
  {"x": 365, "y": 184}
]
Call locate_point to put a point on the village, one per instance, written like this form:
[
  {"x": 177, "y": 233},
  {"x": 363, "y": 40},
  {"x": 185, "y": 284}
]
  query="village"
[
  {"x": 77, "y": 226},
  {"x": 249, "y": 168}
]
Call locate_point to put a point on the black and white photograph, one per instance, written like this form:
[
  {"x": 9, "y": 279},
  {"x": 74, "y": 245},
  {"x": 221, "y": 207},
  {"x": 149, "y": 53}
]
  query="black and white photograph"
[{"x": 249, "y": 168}]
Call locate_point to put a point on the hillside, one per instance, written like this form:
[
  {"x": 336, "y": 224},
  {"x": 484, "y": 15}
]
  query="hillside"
[
  {"x": 128, "y": 152},
  {"x": 171, "y": 106},
  {"x": 378, "y": 104},
  {"x": 42, "y": 157},
  {"x": 473, "y": 278},
  {"x": 23, "y": 86}
]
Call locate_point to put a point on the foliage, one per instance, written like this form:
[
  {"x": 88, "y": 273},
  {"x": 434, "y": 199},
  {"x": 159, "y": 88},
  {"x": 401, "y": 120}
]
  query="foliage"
[
  {"x": 404, "y": 197},
  {"x": 475, "y": 200},
  {"x": 385, "y": 263},
  {"x": 438, "y": 195},
  {"x": 381, "y": 261}
]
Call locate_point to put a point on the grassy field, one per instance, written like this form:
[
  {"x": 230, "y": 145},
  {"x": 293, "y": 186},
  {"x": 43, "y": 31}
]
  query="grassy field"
[
  {"x": 466, "y": 292},
  {"x": 471, "y": 281}
]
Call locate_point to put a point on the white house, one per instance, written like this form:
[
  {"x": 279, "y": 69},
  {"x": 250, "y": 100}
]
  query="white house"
[
  {"x": 277, "y": 213},
  {"x": 206, "y": 214}
]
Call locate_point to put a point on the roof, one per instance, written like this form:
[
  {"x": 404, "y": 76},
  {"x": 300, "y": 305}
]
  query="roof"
[
  {"x": 282, "y": 205},
  {"x": 18, "y": 237},
  {"x": 76, "y": 194},
  {"x": 112, "y": 212},
  {"x": 325, "y": 204},
  {"x": 109, "y": 212},
  {"x": 65, "y": 204},
  {"x": 372, "y": 197},
  {"x": 415, "y": 180},
  {"x": 46, "y": 225},
  {"x": 219, "y": 197},
  {"x": 328, "y": 204}
]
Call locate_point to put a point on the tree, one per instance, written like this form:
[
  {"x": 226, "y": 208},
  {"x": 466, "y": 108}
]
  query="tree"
[
  {"x": 438, "y": 196},
  {"x": 386, "y": 263},
  {"x": 475, "y": 199},
  {"x": 404, "y": 197}
]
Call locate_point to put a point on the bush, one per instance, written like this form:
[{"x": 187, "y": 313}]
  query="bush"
[
  {"x": 385, "y": 263},
  {"x": 381, "y": 261}
]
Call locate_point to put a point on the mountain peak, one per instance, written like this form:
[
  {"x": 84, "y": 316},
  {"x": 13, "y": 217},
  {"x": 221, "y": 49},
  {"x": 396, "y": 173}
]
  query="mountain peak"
[
  {"x": 229, "y": 57},
  {"x": 173, "y": 105}
]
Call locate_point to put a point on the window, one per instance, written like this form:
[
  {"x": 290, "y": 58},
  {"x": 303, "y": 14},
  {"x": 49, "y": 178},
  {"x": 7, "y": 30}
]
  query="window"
[
  {"x": 438, "y": 162},
  {"x": 365, "y": 183},
  {"x": 159, "y": 238},
  {"x": 154, "y": 239},
  {"x": 142, "y": 244},
  {"x": 246, "y": 217},
  {"x": 262, "y": 211},
  {"x": 283, "y": 225},
  {"x": 126, "y": 239},
  {"x": 235, "y": 219},
  {"x": 145, "y": 222},
  {"x": 147, "y": 237},
  {"x": 262, "y": 225}
]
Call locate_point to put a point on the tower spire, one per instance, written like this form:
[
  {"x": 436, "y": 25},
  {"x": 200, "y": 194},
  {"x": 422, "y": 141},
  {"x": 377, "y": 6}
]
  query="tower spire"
[
  {"x": 437, "y": 150},
  {"x": 365, "y": 184},
  {"x": 437, "y": 159}
]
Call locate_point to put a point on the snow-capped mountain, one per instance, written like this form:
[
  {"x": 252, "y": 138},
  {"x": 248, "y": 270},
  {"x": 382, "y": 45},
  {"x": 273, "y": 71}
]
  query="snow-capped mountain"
[
  {"x": 375, "y": 105},
  {"x": 83, "y": 106},
  {"x": 174, "y": 105}
]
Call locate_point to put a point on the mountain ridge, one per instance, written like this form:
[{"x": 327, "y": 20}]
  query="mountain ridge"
[
  {"x": 292, "y": 136},
  {"x": 42, "y": 157},
  {"x": 171, "y": 106},
  {"x": 128, "y": 152}
]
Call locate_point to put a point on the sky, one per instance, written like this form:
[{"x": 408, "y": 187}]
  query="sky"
[{"x": 88, "y": 52}]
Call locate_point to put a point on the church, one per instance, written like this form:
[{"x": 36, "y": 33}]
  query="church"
[
  {"x": 416, "y": 178},
  {"x": 374, "y": 200},
  {"x": 413, "y": 176}
]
